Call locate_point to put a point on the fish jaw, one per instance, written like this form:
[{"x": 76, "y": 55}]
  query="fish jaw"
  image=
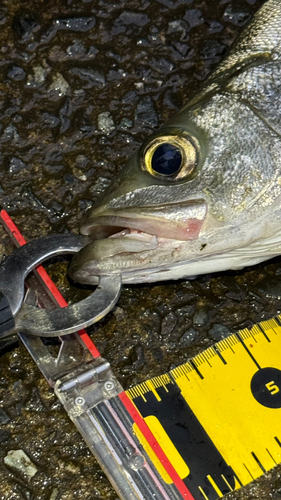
[
  {"x": 180, "y": 221},
  {"x": 155, "y": 259},
  {"x": 144, "y": 229}
]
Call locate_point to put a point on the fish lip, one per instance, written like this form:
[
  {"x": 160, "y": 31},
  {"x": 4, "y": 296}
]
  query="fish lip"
[
  {"x": 143, "y": 231},
  {"x": 180, "y": 221}
]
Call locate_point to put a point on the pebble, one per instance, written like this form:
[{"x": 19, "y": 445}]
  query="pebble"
[
  {"x": 39, "y": 75},
  {"x": 129, "y": 17},
  {"x": 53, "y": 169},
  {"x": 212, "y": 49},
  {"x": 178, "y": 26},
  {"x": 200, "y": 318},
  {"x": 5, "y": 435},
  {"x": 271, "y": 290},
  {"x": 54, "y": 495},
  {"x": 215, "y": 26},
  {"x": 85, "y": 205},
  {"x": 77, "y": 49},
  {"x": 106, "y": 123},
  {"x": 118, "y": 312},
  {"x": 49, "y": 120},
  {"x": 16, "y": 73},
  {"x": 59, "y": 84},
  {"x": 16, "y": 164},
  {"x": 79, "y": 24},
  {"x": 219, "y": 332},
  {"x": 75, "y": 23},
  {"x": 236, "y": 15},
  {"x": 79, "y": 174},
  {"x": 4, "y": 418},
  {"x": 91, "y": 76},
  {"x": 126, "y": 123},
  {"x": 25, "y": 24},
  {"x": 188, "y": 337},
  {"x": 100, "y": 185},
  {"x": 3, "y": 18},
  {"x": 194, "y": 18},
  {"x": 17, "y": 459},
  {"x": 168, "y": 323},
  {"x": 81, "y": 161},
  {"x": 10, "y": 133},
  {"x": 145, "y": 114}
]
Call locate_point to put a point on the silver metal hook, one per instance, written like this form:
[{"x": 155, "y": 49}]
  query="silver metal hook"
[{"x": 61, "y": 321}]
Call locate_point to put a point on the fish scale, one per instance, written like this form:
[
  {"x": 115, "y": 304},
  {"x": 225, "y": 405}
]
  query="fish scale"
[{"x": 219, "y": 207}]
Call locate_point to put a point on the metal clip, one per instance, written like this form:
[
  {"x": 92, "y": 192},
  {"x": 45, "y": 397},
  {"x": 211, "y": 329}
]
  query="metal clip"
[{"x": 55, "y": 322}]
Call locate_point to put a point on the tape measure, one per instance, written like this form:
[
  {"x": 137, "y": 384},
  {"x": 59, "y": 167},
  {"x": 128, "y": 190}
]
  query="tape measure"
[
  {"x": 217, "y": 417},
  {"x": 198, "y": 432}
]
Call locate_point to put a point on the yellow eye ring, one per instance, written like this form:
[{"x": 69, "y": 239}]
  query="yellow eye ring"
[{"x": 172, "y": 157}]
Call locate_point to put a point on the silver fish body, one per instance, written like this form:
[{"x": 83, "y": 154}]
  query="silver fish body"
[{"x": 203, "y": 194}]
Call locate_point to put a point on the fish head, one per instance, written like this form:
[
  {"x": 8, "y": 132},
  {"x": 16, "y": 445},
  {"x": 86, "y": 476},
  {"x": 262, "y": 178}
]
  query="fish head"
[
  {"x": 203, "y": 193},
  {"x": 144, "y": 198},
  {"x": 146, "y": 208}
]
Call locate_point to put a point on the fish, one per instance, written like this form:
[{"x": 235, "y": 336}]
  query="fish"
[{"x": 203, "y": 193}]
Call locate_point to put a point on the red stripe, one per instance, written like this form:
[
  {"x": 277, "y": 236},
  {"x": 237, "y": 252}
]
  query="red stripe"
[
  {"x": 19, "y": 240},
  {"x": 133, "y": 411},
  {"x": 15, "y": 234}
]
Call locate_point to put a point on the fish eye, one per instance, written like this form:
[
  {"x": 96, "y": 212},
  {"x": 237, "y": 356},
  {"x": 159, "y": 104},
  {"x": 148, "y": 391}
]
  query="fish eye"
[
  {"x": 166, "y": 159},
  {"x": 172, "y": 157}
]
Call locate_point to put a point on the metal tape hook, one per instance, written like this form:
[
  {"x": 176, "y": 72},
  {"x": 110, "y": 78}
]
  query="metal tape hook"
[{"x": 56, "y": 322}]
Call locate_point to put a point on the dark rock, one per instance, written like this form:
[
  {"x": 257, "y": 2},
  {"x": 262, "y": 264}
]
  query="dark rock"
[
  {"x": 91, "y": 76},
  {"x": 194, "y": 17},
  {"x": 25, "y": 24},
  {"x": 219, "y": 332},
  {"x": 4, "y": 418},
  {"x": 16, "y": 164},
  {"x": 81, "y": 161},
  {"x": 76, "y": 23},
  {"x": 50, "y": 120},
  {"x": 236, "y": 15},
  {"x": 212, "y": 49},
  {"x": 129, "y": 17},
  {"x": 130, "y": 97},
  {"x": 77, "y": 49},
  {"x": 188, "y": 337},
  {"x": 200, "y": 318},
  {"x": 215, "y": 26},
  {"x": 53, "y": 169},
  {"x": 145, "y": 115},
  {"x": 168, "y": 323},
  {"x": 178, "y": 26},
  {"x": 16, "y": 73},
  {"x": 5, "y": 435}
]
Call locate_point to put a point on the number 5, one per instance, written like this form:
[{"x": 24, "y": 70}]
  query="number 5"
[{"x": 272, "y": 387}]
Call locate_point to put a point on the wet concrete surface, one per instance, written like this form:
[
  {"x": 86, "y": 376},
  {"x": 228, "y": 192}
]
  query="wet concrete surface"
[{"x": 81, "y": 85}]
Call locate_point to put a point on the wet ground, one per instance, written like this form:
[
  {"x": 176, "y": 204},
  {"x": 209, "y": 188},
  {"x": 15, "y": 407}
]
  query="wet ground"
[{"x": 81, "y": 85}]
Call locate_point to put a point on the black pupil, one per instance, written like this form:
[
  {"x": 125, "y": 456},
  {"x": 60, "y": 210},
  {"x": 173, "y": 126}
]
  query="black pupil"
[{"x": 166, "y": 159}]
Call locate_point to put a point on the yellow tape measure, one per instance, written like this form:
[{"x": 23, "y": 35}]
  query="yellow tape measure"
[{"x": 218, "y": 417}]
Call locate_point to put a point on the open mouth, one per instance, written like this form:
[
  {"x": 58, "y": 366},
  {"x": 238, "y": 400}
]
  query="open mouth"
[
  {"x": 134, "y": 230},
  {"x": 180, "y": 221}
]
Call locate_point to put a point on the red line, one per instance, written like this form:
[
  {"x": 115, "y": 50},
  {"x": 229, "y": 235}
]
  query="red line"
[
  {"x": 95, "y": 353},
  {"x": 16, "y": 235},
  {"x": 133, "y": 411},
  {"x": 18, "y": 238}
]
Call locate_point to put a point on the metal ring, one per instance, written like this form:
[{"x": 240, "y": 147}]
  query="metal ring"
[
  {"x": 70, "y": 319},
  {"x": 55, "y": 322}
]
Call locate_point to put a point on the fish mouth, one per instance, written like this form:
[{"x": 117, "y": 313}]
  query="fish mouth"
[
  {"x": 181, "y": 221},
  {"x": 133, "y": 230}
]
